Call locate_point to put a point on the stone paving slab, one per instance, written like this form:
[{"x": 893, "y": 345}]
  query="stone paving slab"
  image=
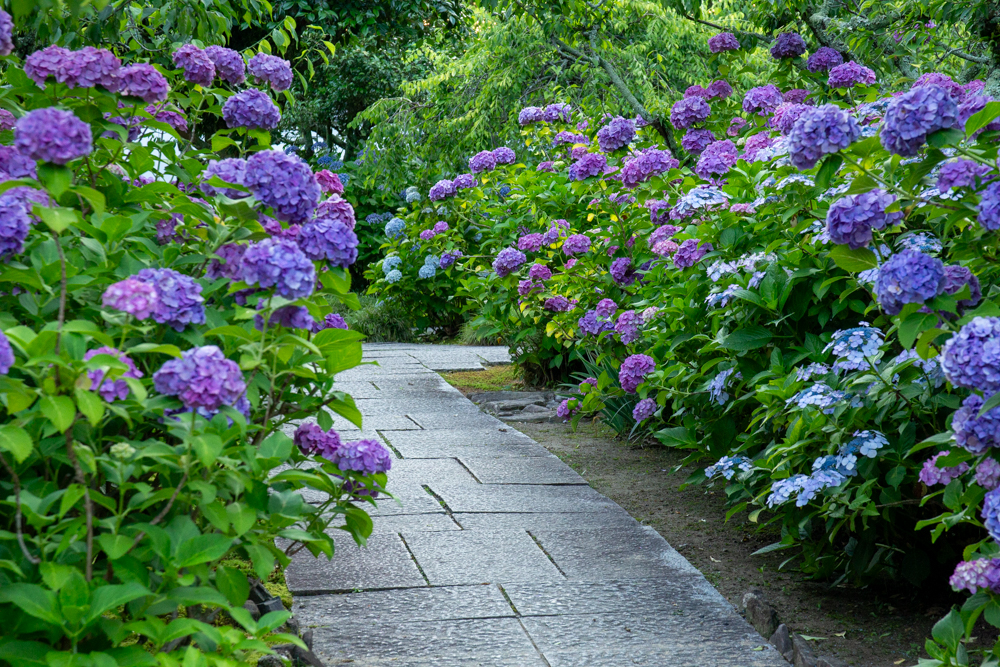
[
  {"x": 384, "y": 563},
  {"x": 477, "y": 557},
  {"x": 497, "y": 553}
]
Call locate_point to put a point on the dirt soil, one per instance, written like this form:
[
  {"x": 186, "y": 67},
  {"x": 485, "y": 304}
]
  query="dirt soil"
[{"x": 865, "y": 628}]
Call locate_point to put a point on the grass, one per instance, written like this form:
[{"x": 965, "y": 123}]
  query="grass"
[
  {"x": 494, "y": 378},
  {"x": 381, "y": 321}
]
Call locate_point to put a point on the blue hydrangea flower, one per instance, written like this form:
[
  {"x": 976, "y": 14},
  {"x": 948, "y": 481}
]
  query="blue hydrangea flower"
[
  {"x": 395, "y": 228},
  {"x": 912, "y": 116},
  {"x": 394, "y": 276},
  {"x": 868, "y": 442},
  {"x": 810, "y": 371},
  {"x": 908, "y": 277},
  {"x": 784, "y": 489},
  {"x": 729, "y": 466},
  {"x": 717, "y": 386},
  {"x": 920, "y": 241},
  {"x": 427, "y": 271},
  {"x": 390, "y": 263},
  {"x": 855, "y": 347},
  {"x": 819, "y": 396},
  {"x": 972, "y": 432},
  {"x": 991, "y": 513},
  {"x": 971, "y": 358}
]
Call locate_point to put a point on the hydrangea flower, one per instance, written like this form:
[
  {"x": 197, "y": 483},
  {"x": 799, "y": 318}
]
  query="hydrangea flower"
[
  {"x": 849, "y": 75},
  {"x": 850, "y": 219},
  {"x": 687, "y": 112},
  {"x": 931, "y": 474},
  {"x": 530, "y": 242},
  {"x": 960, "y": 173},
  {"x": 616, "y": 134},
  {"x": 14, "y": 226},
  {"x": 589, "y": 164},
  {"x": 991, "y": 514},
  {"x": 729, "y": 466},
  {"x": 643, "y": 410},
  {"x": 548, "y": 165},
  {"x": 198, "y": 67},
  {"x": 427, "y": 271},
  {"x": 814, "y": 369},
  {"x": 290, "y": 317},
  {"x": 442, "y": 189},
  {"x": 111, "y": 390},
  {"x": 132, "y": 296},
  {"x": 868, "y": 443},
  {"x": 201, "y": 378},
  {"x": 529, "y": 115},
  {"x": 314, "y": 441},
  {"x": 972, "y": 432},
  {"x": 606, "y": 308},
  {"x": 989, "y": 207},
  {"x": 329, "y": 182},
  {"x": 229, "y": 65},
  {"x": 648, "y": 163},
  {"x": 786, "y": 115},
  {"x": 724, "y": 41},
  {"x": 281, "y": 264},
  {"x": 735, "y": 125},
  {"x": 230, "y": 266},
  {"x": 718, "y": 89},
  {"x": 695, "y": 141},
  {"x": 52, "y": 135},
  {"x": 331, "y": 321},
  {"x": 575, "y": 244},
  {"x": 797, "y": 96},
  {"x": 972, "y": 106},
  {"x": 594, "y": 324},
  {"x": 627, "y": 326},
  {"x": 788, "y": 45},
  {"x": 690, "y": 252},
  {"x": 973, "y": 576},
  {"x": 329, "y": 239},
  {"x": 762, "y": 100},
  {"x": 783, "y": 489},
  {"x": 556, "y": 112},
  {"x": 634, "y": 370},
  {"x": 277, "y": 72},
  {"x": 700, "y": 198},
  {"x": 507, "y": 261},
  {"x": 971, "y": 358},
  {"x": 955, "y": 279},
  {"x": 482, "y": 161},
  {"x": 717, "y": 386},
  {"x": 178, "y": 297},
  {"x": 821, "y": 131},
  {"x": 394, "y": 276},
  {"x": 252, "y": 109},
  {"x": 231, "y": 170},
  {"x": 558, "y": 304},
  {"x": 283, "y": 182},
  {"x": 988, "y": 474},
  {"x": 143, "y": 81},
  {"x": 621, "y": 271},
  {"x": 820, "y": 396},
  {"x": 755, "y": 144},
  {"x": 717, "y": 159},
  {"x": 910, "y": 117},
  {"x": 504, "y": 155},
  {"x": 908, "y": 277},
  {"x": 390, "y": 263},
  {"x": 565, "y": 410},
  {"x": 395, "y": 227},
  {"x": 823, "y": 59},
  {"x": 448, "y": 258},
  {"x": 366, "y": 456}
]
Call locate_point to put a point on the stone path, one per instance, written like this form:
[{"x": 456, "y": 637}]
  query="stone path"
[{"x": 497, "y": 553}]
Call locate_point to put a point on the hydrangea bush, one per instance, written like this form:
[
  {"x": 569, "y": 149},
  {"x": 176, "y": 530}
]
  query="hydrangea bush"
[
  {"x": 166, "y": 320},
  {"x": 802, "y": 297}
]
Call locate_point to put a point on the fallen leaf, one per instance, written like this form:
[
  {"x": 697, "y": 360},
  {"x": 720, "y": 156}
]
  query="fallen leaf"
[
  {"x": 900, "y": 662},
  {"x": 840, "y": 634},
  {"x": 713, "y": 560},
  {"x": 813, "y": 638}
]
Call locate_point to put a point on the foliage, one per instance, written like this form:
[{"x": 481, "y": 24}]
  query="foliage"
[
  {"x": 380, "y": 321},
  {"x": 124, "y": 507}
]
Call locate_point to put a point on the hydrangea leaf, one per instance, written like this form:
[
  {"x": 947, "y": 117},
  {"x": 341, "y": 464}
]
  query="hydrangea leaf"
[{"x": 854, "y": 261}]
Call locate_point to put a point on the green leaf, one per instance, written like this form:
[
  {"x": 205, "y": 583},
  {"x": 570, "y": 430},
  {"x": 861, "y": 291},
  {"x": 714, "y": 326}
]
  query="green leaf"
[
  {"x": 56, "y": 178},
  {"x": 911, "y": 327},
  {"x": 828, "y": 170},
  {"x": 207, "y": 448},
  {"x": 57, "y": 218},
  {"x": 59, "y": 410},
  {"x": 747, "y": 338},
  {"x": 233, "y": 584},
  {"x": 853, "y": 261},
  {"x": 107, "y": 598},
  {"x": 991, "y": 403},
  {"x": 115, "y": 546},
  {"x": 24, "y": 653},
  {"x": 203, "y": 549},
  {"x": 263, "y": 560},
  {"x": 949, "y": 630},
  {"x": 982, "y": 118},
  {"x": 16, "y": 441},
  {"x": 943, "y": 138},
  {"x": 90, "y": 405},
  {"x": 33, "y": 600},
  {"x": 277, "y": 446}
]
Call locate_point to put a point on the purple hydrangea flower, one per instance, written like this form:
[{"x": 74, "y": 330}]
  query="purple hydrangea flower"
[
  {"x": 179, "y": 300},
  {"x": 85, "y": 68},
  {"x": 590, "y": 164},
  {"x": 51, "y": 61},
  {"x": 14, "y": 226},
  {"x": 567, "y": 137},
  {"x": 989, "y": 207},
  {"x": 329, "y": 239},
  {"x": 565, "y": 411},
  {"x": 788, "y": 45},
  {"x": 648, "y": 163},
  {"x": 331, "y": 321},
  {"x": 529, "y": 115},
  {"x": 201, "y": 378},
  {"x": 724, "y": 41},
  {"x": 634, "y": 370},
  {"x": 575, "y": 244},
  {"x": 252, "y": 109},
  {"x": 558, "y": 304},
  {"x": 547, "y": 165},
  {"x": 111, "y": 390},
  {"x": 785, "y": 116},
  {"x": 960, "y": 173},
  {"x": 991, "y": 513},
  {"x": 717, "y": 159},
  {"x": 971, "y": 358},
  {"x": 824, "y": 59},
  {"x": 6, "y": 354},
  {"x": 198, "y": 67},
  {"x": 336, "y": 208},
  {"x": 622, "y": 271},
  {"x": 230, "y": 266},
  {"x": 273, "y": 70},
  {"x": 229, "y": 64},
  {"x": 231, "y": 170},
  {"x": 754, "y": 144},
  {"x": 616, "y": 134},
  {"x": 735, "y": 125},
  {"x": 465, "y": 181},
  {"x": 797, "y": 96},
  {"x": 283, "y": 182},
  {"x": 29, "y": 196},
  {"x": 718, "y": 89},
  {"x": 910, "y": 117},
  {"x": 290, "y": 317},
  {"x": 908, "y": 277},
  {"x": 849, "y": 75},
  {"x": 974, "y": 105},
  {"x": 530, "y": 242},
  {"x": 643, "y": 410},
  {"x": 972, "y": 432},
  {"x": 314, "y": 441},
  {"x": 556, "y": 112},
  {"x": 695, "y": 141},
  {"x": 482, "y": 161},
  {"x": 507, "y": 261},
  {"x": 821, "y": 131},
  {"x": 593, "y": 324},
  {"x": 762, "y": 100},
  {"x": 281, "y": 264},
  {"x": 973, "y": 576},
  {"x": 627, "y": 326},
  {"x": 441, "y": 189},
  {"x": 7, "y": 119},
  {"x": 931, "y": 474},
  {"x": 330, "y": 183},
  {"x": 6, "y": 33},
  {"x": 988, "y": 474},
  {"x": 174, "y": 119},
  {"x": 606, "y": 308},
  {"x": 955, "y": 278},
  {"x": 687, "y": 112},
  {"x": 527, "y": 286},
  {"x": 365, "y": 456},
  {"x": 851, "y": 219},
  {"x": 955, "y": 90},
  {"x": 539, "y": 272},
  {"x": 690, "y": 252},
  {"x": 135, "y": 297},
  {"x": 427, "y": 235},
  {"x": 143, "y": 81},
  {"x": 448, "y": 258},
  {"x": 52, "y": 135}
]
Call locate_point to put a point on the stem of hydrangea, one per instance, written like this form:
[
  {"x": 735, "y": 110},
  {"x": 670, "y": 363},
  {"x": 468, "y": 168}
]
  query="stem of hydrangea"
[
  {"x": 88, "y": 505},
  {"x": 17, "y": 512},
  {"x": 62, "y": 291}
]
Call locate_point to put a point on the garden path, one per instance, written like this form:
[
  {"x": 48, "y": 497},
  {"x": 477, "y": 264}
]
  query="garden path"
[{"x": 497, "y": 552}]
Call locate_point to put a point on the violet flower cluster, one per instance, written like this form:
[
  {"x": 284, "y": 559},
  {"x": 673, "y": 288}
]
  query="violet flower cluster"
[
  {"x": 634, "y": 370},
  {"x": 202, "y": 378}
]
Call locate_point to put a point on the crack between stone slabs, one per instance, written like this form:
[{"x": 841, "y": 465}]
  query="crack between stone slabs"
[
  {"x": 443, "y": 504},
  {"x": 375, "y": 385},
  {"x": 551, "y": 559},
  {"x": 517, "y": 615},
  {"x": 389, "y": 444},
  {"x": 414, "y": 559},
  {"x": 467, "y": 469},
  {"x": 419, "y": 425}
]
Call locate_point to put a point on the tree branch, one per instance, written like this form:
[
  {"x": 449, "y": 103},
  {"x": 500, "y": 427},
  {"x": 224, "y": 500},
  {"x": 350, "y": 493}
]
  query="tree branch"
[
  {"x": 982, "y": 60},
  {"x": 17, "y": 513},
  {"x": 723, "y": 28}
]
